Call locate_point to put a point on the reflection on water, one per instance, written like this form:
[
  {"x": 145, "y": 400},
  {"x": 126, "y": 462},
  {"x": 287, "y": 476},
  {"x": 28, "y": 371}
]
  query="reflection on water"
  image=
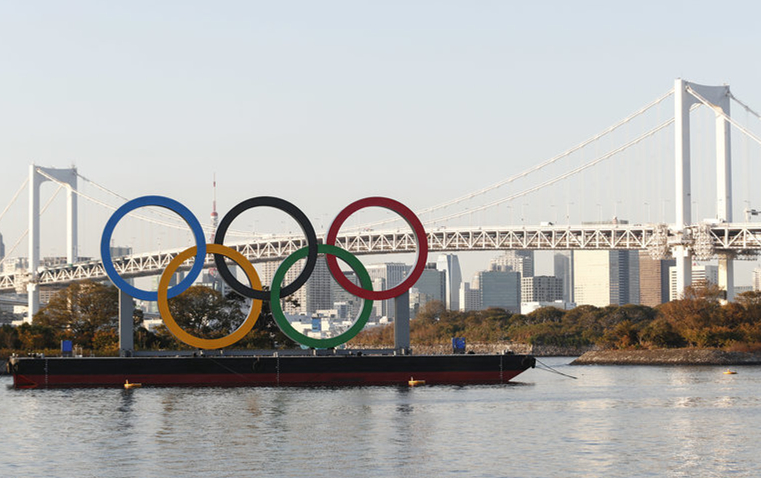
[{"x": 612, "y": 421}]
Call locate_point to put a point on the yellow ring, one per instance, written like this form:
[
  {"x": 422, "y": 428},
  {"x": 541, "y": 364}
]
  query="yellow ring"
[{"x": 192, "y": 340}]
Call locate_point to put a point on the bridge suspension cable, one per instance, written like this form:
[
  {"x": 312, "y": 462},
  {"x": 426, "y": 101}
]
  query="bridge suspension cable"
[
  {"x": 747, "y": 108},
  {"x": 26, "y": 232},
  {"x": 557, "y": 178},
  {"x": 725, "y": 116},
  {"x": 109, "y": 206},
  {"x": 169, "y": 216},
  {"x": 530, "y": 170},
  {"x": 15, "y": 196}
]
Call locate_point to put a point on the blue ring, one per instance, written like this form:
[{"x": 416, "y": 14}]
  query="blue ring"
[{"x": 172, "y": 205}]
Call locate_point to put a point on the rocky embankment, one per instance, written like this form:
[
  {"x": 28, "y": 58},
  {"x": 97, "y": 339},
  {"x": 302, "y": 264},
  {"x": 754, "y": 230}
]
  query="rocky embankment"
[{"x": 667, "y": 357}]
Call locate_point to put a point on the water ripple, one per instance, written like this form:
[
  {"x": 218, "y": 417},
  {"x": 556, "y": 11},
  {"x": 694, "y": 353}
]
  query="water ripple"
[{"x": 612, "y": 421}]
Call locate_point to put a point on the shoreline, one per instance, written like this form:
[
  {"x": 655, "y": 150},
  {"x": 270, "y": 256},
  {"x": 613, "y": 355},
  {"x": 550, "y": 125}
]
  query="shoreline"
[{"x": 684, "y": 356}]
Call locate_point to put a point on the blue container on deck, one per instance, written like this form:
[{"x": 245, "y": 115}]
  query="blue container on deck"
[
  {"x": 66, "y": 348},
  {"x": 458, "y": 345}
]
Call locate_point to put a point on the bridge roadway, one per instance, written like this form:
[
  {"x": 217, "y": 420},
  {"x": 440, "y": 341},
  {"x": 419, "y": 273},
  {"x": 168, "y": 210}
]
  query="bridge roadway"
[{"x": 705, "y": 240}]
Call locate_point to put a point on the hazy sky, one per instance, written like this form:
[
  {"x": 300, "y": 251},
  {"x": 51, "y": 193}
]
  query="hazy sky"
[{"x": 326, "y": 102}]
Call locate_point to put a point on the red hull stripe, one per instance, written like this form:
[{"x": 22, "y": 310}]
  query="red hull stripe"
[{"x": 261, "y": 379}]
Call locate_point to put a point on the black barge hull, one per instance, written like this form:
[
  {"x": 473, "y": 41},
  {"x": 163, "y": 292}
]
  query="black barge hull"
[{"x": 221, "y": 371}]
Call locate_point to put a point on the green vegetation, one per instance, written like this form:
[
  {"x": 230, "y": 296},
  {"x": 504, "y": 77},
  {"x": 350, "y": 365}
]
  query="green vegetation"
[
  {"x": 86, "y": 313},
  {"x": 698, "y": 320}
]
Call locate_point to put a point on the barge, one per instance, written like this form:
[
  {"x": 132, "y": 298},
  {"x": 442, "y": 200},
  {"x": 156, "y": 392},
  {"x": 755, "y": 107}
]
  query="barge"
[{"x": 271, "y": 370}]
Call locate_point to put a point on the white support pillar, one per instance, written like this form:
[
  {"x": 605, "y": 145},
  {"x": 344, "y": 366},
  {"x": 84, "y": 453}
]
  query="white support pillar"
[
  {"x": 726, "y": 275},
  {"x": 32, "y": 290},
  {"x": 723, "y": 161},
  {"x": 682, "y": 103},
  {"x": 68, "y": 177},
  {"x": 724, "y": 189},
  {"x": 718, "y": 97},
  {"x": 71, "y": 221}
]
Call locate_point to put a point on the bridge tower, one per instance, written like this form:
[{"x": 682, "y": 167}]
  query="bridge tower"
[
  {"x": 684, "y": 97},
  {"x": 37, "y": 176}
]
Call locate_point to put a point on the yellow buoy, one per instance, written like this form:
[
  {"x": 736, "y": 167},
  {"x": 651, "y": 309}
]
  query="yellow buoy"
[
  {"x": 414, "y": 382},
  {"x": 729, "y": 372},
  {"x": 128, "y": 385}
]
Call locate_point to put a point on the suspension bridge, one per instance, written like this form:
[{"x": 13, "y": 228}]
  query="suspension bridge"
[{"x": 576, "y": 177}]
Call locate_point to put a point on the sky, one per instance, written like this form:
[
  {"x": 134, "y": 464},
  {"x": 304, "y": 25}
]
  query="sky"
[{"x": 323, "y": 103}]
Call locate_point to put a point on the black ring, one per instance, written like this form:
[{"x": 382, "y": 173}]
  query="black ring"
[{"x": 291, "y": 210}]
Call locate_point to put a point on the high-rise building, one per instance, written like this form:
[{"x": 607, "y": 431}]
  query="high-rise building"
[
  {"x": 470, "y": 299},
  {"x": 381, "y": 307},
  {"x": 315, "y": 295},
  {"x": 541, "y": 289},
  {"x": 500, "y": 289},
  {"x": 15, "y": 264},
  {"x": 704, "y": 275},
  {"x": 653, "y": 279},
  {"x": 319, "y": 288},
  {"x": 296, "y": 302},
  {"x": 450, "y": 265},
  {"x": 602, "y": 278},
  {"x": 120, "y": 251},
  {"x": 563, "y": 262},
  {"x": 631, "y": 259},
  {"x": 757, "y": 278},
  {"x": 431, "y": 286},
  {"x": 432, "y": 282},
  {"x": 521, "y": 261},
  {"x": 741, "y": 289},
  {"x": 342, "y": 296},
  {"x": 2, "y": 248},
  {"x": 391, "y": 274}
]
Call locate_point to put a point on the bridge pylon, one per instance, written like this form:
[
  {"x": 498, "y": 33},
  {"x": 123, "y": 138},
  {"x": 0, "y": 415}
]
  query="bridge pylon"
[
  {"x": 687, "y": 94},
  {"x": 37, "y": 176}
]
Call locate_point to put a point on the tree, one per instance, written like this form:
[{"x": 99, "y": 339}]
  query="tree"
[
  {"x": 661, "y": 334},
  {"x": 545, "y": 314},
  {"x": 266, "y": 334},
  {"x": 83, "y": 308},
  {"x": 696, "y": 314},
  {"x": 204, "y": 312}
]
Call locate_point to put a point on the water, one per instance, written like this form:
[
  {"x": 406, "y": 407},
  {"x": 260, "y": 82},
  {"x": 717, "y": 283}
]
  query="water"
[{"x": 612, "y": 421}]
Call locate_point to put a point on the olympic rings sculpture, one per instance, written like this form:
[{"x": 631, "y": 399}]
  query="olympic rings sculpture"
[{"x": 254, "y": 288}]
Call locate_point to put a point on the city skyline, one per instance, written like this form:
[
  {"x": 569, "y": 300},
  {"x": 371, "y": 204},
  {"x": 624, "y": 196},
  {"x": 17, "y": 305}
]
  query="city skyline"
[{"x": 432, "y": 92}]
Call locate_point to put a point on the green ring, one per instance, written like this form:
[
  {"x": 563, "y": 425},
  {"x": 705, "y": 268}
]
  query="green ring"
[{"x": 282, "y": 321}]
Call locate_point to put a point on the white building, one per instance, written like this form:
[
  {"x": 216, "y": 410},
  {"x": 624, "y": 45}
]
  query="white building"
[
  {"x": 450, "y": 265},
  {"x": 757, "y": 278},
  {"x": 706, "y": 274},
  {"x": 520, "y": 261},
  {"x": 563, "y": 270},
  {"x": 470, "y": 299},
  {"x": 528, "y": 307},
  {"x": 387, "y": 276},
  {"x": 602, "y": 278},
  {"x": 541, "y": 289}
]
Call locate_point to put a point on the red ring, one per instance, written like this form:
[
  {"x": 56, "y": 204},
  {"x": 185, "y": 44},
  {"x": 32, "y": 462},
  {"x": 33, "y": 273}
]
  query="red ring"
[{"x": 414, "y": 223}]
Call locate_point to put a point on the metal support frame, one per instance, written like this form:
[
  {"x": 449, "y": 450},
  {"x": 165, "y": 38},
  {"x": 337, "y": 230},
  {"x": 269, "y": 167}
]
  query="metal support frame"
[
  {"x": 402, "y": 323},
  {"x": 126, "y": 325}
]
